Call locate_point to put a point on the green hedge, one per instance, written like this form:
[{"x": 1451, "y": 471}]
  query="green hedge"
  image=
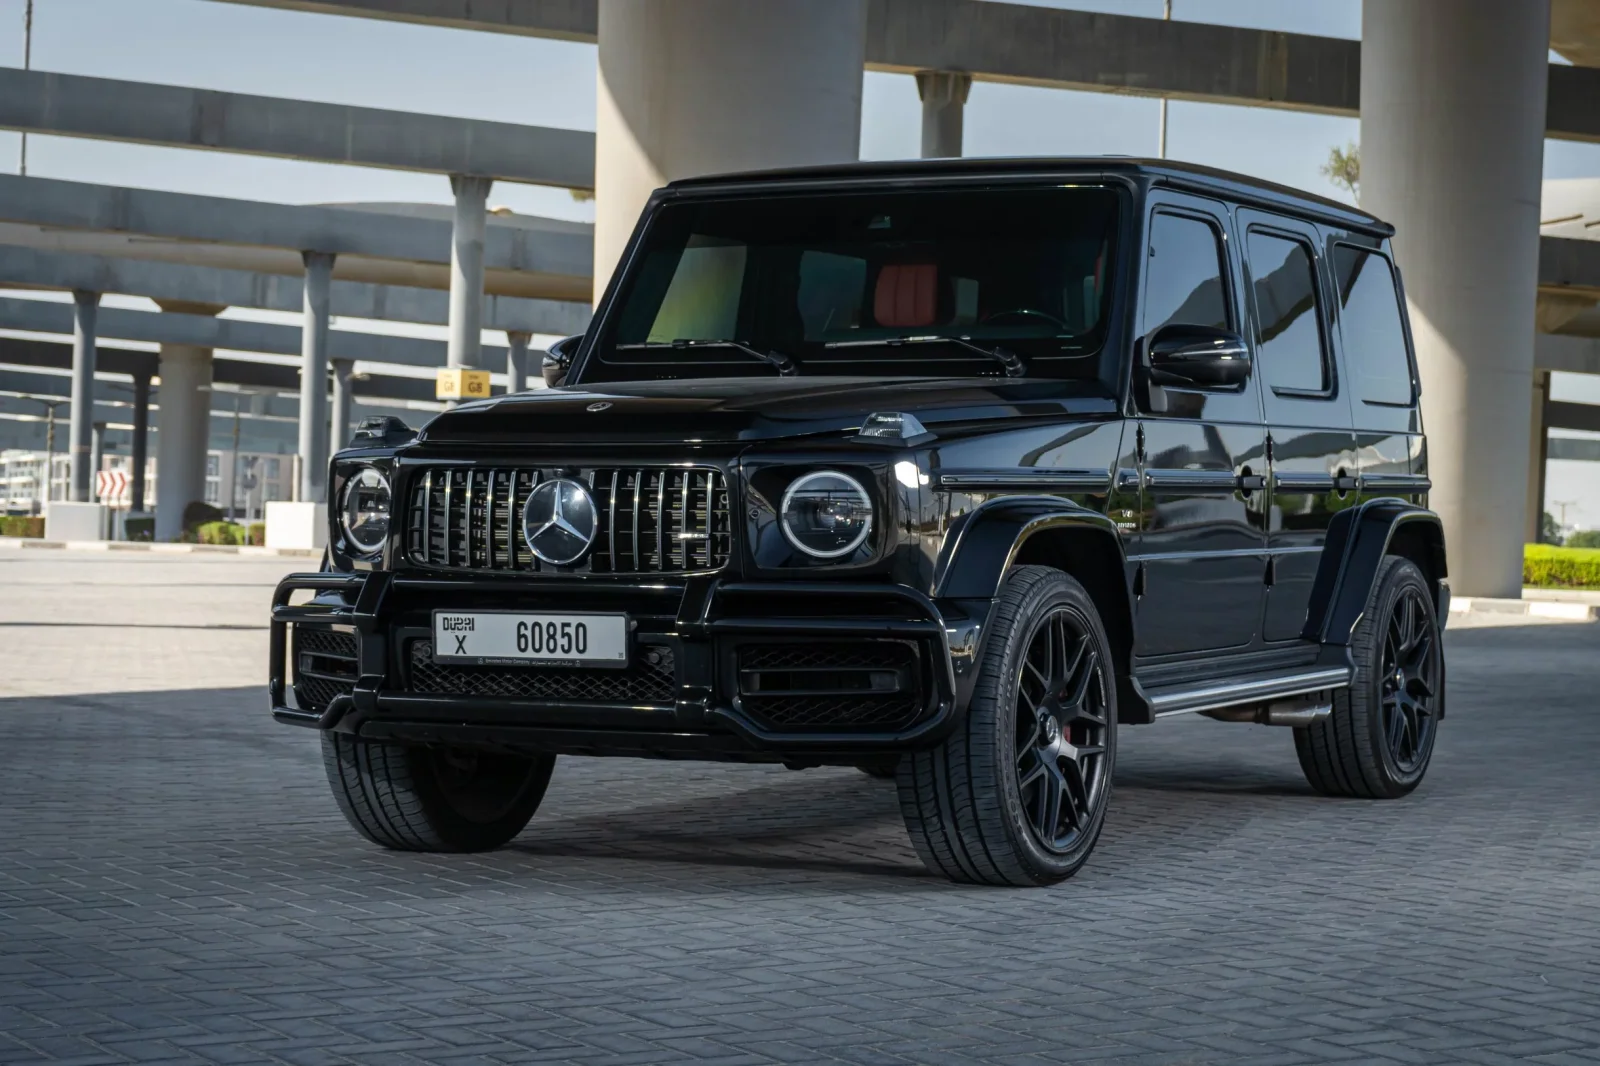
[
  {"x": 21, "y": 526},
  {"x": 221, "y": 533},
  {"x": 1546, "y": 566}
]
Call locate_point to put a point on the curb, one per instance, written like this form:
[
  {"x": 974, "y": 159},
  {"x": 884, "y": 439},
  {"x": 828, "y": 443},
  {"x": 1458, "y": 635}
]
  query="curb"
[
  {"x": 166, "y": 549},
  {"x": 1567, "y": 611}
]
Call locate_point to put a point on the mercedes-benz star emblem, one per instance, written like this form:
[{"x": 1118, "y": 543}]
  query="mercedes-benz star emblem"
[
  {"x": 600, "y": 405},
  {"x": 559, "y": 521}
]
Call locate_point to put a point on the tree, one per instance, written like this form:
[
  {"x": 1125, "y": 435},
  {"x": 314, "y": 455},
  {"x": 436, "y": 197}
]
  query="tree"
[
  {"x": 1584, "y": 538},
  {"x": 1549, "y": 530},
  {"x": 1343, "y": 168}
]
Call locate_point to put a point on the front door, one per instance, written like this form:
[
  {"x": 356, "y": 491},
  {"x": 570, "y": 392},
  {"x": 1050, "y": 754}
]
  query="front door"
[
  {"x": 1310, "y": 442},
  {"x": 1202, "y": 545}
]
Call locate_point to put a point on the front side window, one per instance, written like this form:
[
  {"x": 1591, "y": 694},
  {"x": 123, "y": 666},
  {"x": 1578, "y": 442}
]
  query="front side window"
[
  {"x": 1283, "y": 287},
  {"x": 944, "y": 283},
  {"x": 1183, "y": 283},
  {"x": 1371, "y": 325}
]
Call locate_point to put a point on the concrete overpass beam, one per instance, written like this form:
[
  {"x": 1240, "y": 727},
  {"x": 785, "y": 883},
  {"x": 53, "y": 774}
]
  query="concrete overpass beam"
[
  {"x": 85, "y": 305},
  {"x": 702, "y": 86},
  {"x": 313, "y": 444},
  {"x": 944, "y": 104},
  {"x": 466, "y": 270},
  {"x": 1452, "y": 128}
]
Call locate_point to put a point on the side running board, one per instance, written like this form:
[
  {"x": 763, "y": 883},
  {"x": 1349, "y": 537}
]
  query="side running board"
[{"x": 1250, "y": 689}]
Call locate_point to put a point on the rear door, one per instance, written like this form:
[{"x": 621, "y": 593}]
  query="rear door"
[
  {"x": 1201, "y": 549},
  {"x": 1312, "y": 449}
]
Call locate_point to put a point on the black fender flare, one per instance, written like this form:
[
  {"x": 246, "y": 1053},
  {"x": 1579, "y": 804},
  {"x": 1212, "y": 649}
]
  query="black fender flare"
[
  {"x": 982, "y": 545},
  {"x": 1358, "y": 539}
]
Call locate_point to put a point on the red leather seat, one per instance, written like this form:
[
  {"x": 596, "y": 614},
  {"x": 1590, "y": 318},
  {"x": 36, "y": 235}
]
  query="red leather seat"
[{"x": 907, "y": 295}]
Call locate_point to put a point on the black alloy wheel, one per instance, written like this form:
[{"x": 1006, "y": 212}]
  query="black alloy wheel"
[
  {"x": 1409, "y": 680},
  {"x": 1379, "y": 740},
  {"x": 481, "y": 787},
  {"x": 1018, "y": 792},
  {"x": 1061, "y": 726}
]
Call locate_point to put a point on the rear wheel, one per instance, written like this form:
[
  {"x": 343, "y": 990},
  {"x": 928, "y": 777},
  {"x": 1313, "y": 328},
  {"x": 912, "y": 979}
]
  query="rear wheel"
[
  {"x": 433, "y": 798},
  {"x": 1018, "y": 794},
  {"x": 1379, "y": 739}
]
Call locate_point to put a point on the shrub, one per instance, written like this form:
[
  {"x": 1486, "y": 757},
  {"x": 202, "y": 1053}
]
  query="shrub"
[
  {"x": 21, "y": 526},
  {"x": 197, "y": 513},
  {"x": 1584, "y": 538},
  {"x": 221, "y": 533},
  {"x": 1547, "y": 566},
  {"x": 258, "y": 533}
]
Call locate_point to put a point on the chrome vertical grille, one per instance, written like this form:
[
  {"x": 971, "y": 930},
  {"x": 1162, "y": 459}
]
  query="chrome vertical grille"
[{"x": 651, "y": 519}]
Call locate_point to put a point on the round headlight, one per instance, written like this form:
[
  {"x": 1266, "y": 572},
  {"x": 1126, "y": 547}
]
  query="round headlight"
[
  {"x": 826, "y": 514},
  {"x": 365, "y": 516}
]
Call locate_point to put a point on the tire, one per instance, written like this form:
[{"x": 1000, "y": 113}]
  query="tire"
[
  {"x": 886, "y": 768},
  {"x": 427, "y": 798},
  {"x": 1379, "y": 739},
  {"x": 977, "y": 806}
]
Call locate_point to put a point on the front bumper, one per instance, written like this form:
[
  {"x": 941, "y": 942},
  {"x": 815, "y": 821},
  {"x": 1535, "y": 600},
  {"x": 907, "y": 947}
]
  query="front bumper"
[{"x": 714, "y": 658}]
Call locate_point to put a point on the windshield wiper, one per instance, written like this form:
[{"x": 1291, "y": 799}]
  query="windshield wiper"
[
  {"x": 783, "y": 364},
  {"x": 1015, "y": 366}
]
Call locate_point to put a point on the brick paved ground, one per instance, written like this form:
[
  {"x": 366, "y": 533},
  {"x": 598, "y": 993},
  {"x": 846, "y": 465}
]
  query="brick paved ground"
[{"x": 176, "y": 885}]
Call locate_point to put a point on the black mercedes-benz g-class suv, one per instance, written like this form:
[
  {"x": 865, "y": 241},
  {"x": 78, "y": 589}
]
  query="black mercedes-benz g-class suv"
[{"x": 940, "y": 469}]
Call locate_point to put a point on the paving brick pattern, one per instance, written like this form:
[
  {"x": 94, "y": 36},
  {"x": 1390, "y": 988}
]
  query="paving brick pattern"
[{"x": 177, "y": 886}]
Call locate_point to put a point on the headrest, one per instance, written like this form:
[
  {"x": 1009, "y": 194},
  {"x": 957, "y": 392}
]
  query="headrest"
[{"x": 907, "y": 295}]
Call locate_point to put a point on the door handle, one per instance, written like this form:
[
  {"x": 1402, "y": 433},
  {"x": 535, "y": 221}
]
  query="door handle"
[
  {"x": 1344, "y": 483},
  {"x": 1249, "y": 482}
]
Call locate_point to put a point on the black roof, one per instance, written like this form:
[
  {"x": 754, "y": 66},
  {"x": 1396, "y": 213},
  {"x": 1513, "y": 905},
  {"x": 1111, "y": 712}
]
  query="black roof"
[{"x": 1160, "y": 171}]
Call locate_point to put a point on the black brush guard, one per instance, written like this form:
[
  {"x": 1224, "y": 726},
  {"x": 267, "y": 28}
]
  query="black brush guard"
[{"x": 695, "y": 616}]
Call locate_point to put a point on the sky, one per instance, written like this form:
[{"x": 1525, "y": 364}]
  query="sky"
[{"x": 215, "y": 45}]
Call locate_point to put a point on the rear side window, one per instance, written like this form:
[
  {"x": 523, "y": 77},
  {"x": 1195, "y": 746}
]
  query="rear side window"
[
  {"x": 1371, "y": 325},
  {"x": 1283, "y": 284},
  {"x": 1184, "y": 285}
]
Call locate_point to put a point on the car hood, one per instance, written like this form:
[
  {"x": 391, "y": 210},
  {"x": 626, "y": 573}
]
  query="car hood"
[{"x": 753, "y": 409}]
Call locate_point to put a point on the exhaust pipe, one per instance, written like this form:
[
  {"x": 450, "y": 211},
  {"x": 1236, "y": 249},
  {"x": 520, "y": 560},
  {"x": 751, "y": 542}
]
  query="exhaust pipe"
[{"x": 1296, "y": 713}]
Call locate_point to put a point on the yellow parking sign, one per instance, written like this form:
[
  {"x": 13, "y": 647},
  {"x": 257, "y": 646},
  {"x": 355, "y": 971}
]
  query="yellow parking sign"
[{"x": 456, "y": 383}]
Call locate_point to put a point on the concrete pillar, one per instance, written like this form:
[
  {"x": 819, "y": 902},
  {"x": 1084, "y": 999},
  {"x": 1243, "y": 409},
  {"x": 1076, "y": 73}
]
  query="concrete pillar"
[
  {"x": 97, "y": 451},
  {"x": 465, "y": 345},
  {"x": 85, "y": 309},
  {"x": 313, "y": 442},
  {"x": 692, "y": 87},
  {"x": 342, "y": 401},
  {"x": 185, "y": 433},
  {"x": 944, "y": 103},
  {"x": 1538, "y": 454},
  {"x": 517, "y": 360},
  {"x": 139, "y": 453},
  {"x": 1452, "y": 129}
]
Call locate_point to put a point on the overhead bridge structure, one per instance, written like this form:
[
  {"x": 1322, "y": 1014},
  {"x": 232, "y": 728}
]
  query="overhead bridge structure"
[{"x": 1455, "y": 99}]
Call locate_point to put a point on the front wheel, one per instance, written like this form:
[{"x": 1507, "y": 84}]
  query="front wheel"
[
  {"x": 433, "y": 798},
  {"x": 1018, "y": 794},
  {"x": 1378, "y": 741}
]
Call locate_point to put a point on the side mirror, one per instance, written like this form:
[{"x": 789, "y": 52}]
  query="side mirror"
[
  {"x": 1198, "y": 357},
  {"x": 558, "y": 360}
]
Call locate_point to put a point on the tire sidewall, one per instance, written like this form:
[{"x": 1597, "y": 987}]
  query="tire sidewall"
[
  {"x": 1004, "y": 657},
  {"x": 1396, "y": 576}
]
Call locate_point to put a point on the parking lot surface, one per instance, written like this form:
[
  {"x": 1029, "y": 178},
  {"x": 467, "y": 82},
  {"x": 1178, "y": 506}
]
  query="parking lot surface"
[{"x": 176, "y": 884}]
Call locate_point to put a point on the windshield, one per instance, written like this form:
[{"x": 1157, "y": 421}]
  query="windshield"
[{"x": 990, "y": 282}]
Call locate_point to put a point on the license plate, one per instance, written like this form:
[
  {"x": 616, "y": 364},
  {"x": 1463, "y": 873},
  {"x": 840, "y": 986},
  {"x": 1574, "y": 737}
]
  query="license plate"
[{"x": 518, "y": 638}]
